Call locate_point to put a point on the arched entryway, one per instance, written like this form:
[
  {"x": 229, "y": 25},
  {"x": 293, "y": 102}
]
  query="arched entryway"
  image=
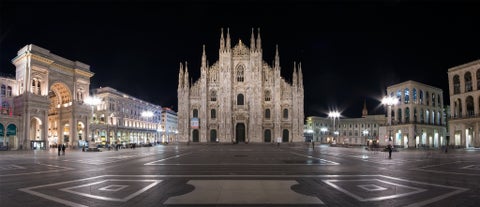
[
  {"x": 81, "y": 134},
  {"x": 36, "y": 134},
  {"x": 240, "y": 132},
  {"x": 195, "y": 136},
  {"x": 213, "y": 135},
  {"x": 285, "y": 135},
  {"x": 267, "y": 135},
  {"x": 60, "y": 97},
  {"x": 11, "y": 136}
]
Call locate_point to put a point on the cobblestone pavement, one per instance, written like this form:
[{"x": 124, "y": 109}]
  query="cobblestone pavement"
[{"x": 240, "y": 175}]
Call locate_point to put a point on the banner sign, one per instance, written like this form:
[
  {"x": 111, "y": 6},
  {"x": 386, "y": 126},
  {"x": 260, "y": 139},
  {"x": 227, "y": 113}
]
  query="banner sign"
[{"x": 195, "y": 123}]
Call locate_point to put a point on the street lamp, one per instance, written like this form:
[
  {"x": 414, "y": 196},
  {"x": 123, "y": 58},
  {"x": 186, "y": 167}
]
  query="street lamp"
[
  {"x": 92, "y": 101},
  {"x": 389, "y": 101},
  {"x": 324, "y": 131},
  {"x": 334, "y": 115},
  {"x": 365, "y": 134},
  {"x": 147, "y": 115}
]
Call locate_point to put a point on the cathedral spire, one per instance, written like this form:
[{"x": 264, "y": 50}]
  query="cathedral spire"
[
  {"x": 252, "y": 42},
  {"x": 222, "y": 41},
  {"x": 277, "y": 58},
  {"x": 229, "y": 45},
  {"x": 185, "y": 82},
  {"x": 300, "y": 76},
  {"x": 204, "y": 58},
  {"x": 180, "y": 76},
  {"x": 364, "y": 111},
  {"x": 294, "y": 75},
  {"x": 259, "y": 41}
]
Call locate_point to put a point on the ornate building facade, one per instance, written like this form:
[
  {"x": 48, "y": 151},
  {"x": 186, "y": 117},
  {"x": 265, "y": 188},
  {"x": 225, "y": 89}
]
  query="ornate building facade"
[
  {"x": 46, "y": 103},
  {"x": 240, "y": 98},
  {"x": 119, "y": 118},
  {"x": 464, "y": 122},
  {"x": 168, "y": 125},
  {"x": 418, "y": 120}
]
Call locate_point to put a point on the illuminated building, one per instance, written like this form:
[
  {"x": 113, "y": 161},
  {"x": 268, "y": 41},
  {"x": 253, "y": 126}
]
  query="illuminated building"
[
  {"x": 240, "y": 98},
  {"x": 464, "y": 121},
  {"x": 45, "y": 104},
  {"x": 418, "y": 120},
  {"x": 350, "y": 131}
]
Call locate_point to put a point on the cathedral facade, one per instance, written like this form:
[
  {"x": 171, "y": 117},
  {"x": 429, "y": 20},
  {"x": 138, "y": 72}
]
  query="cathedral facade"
[{"x": 240, "y": 98}]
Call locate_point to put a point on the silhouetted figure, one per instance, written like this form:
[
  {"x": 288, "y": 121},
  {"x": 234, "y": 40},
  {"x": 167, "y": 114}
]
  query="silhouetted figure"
[
  {"x": 63, "y": 149},
  {"x": 59, "y": 149},
  {"x": 389, "y": 148}
]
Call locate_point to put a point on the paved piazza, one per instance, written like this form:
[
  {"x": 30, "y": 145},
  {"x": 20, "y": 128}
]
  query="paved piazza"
[{"x": 240, "y": 175}]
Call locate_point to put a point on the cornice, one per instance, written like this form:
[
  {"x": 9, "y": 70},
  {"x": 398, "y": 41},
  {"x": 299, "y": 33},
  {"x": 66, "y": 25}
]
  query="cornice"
[
  {"x": 53, "y": 63},
  {"x": 84, "y": 73}
]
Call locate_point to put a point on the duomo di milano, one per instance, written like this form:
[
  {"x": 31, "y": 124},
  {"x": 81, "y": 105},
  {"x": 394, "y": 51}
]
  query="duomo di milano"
[{"x": 240, "y": 98}]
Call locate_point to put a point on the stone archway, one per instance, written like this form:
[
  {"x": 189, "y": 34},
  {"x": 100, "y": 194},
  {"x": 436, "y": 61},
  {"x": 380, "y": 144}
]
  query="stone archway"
[
  {"x": 195, "y": 136},
  {"x": 267, "y": 137},
  {"x": 35, "y": 132},
  {"x": 240, "y": 132},
  {"x": 285, "y": 135},
  {"x": 213, "y": 135},
  {"x": 60, "y": 97}
]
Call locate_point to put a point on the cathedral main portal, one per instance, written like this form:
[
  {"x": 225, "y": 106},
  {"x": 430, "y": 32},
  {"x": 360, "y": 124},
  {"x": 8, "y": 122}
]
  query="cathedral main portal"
[{"x": 240, "y": 132}]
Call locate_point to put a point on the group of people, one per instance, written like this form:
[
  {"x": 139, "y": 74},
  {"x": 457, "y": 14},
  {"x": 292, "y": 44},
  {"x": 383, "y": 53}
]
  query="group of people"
[{"x": 61, "y": 148}]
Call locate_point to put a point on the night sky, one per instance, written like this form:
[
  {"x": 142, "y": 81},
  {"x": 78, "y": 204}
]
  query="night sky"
[{"x": 350, "y": 51}]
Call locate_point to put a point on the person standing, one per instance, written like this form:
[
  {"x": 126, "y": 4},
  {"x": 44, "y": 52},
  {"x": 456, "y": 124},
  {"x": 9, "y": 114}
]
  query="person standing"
[
  {"x": 59, "y": 149},
  {"x": 389, "y": 148},
  {"x": 63, "y": 149}
]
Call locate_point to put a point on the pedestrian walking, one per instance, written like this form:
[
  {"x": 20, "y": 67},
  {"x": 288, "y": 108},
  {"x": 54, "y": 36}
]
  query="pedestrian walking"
[
  {"x": 59, "y": 149},
  {"x": 63, "y": 149},
  {"x": 313, "y": 145},
  {"x": 389, "y": 148}
]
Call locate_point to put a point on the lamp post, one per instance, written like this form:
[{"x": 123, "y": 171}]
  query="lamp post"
[
  {"x": 334, "y": 115},
  {"x": 365, "y": 134},
  {"x": 92, "y": 101},
  {"x": 324, "y": 131},
  {"x": 389, "y": 101},
  {"x": 147, "y": 115}
]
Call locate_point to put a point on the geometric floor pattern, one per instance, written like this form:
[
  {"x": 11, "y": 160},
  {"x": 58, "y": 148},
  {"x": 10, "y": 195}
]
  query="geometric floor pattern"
[{"x": 244, "y": 190}]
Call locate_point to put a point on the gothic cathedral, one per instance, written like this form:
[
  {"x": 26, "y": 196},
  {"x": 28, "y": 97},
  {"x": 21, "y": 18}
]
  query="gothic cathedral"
[{"x": 240, "y": 98}]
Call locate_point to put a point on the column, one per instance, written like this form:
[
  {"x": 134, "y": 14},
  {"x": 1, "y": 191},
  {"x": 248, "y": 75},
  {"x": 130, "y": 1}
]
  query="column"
[
  {"x": 475, "y": 137},
  {"x": 45, "y": 129},
  {"x": 74, "y": 132}
]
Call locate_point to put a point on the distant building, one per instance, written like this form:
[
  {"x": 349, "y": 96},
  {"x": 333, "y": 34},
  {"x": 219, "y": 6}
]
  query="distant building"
[
  {"x": 464, "y": 119},
  {"x": 169, "y": 126},
  {"x": 121, "y": 118},
  {"x": 240, "y": 98},
  {"x": 350, "y": 131},
  {"x": 418, "y": 120},
  {"x": 8, "y": 122}
]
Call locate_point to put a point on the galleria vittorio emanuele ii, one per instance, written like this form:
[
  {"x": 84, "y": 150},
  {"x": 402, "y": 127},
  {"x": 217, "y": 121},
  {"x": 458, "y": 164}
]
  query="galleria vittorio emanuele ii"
[{"x": 47, "y": 103}]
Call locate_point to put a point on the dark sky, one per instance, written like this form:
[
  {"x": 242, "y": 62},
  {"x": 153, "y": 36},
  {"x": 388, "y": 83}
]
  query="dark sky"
[{"x": 350, "y": 50}]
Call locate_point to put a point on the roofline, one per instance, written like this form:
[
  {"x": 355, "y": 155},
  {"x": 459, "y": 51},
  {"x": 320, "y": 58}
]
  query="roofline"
[{"x": 413, "y": 82}]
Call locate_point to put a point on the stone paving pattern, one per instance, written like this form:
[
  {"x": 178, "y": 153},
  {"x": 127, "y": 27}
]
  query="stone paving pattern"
[{"x": 240, "y": 175}]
